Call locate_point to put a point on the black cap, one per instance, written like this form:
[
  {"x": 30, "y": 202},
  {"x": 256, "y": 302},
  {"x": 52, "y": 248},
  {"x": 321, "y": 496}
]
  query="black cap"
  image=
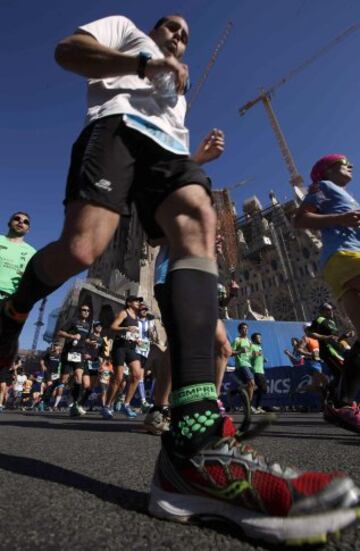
[
  {"x": 326, "y": 306},
  {"x": 133, "y": 298},
  {"x": 97, "y": 323}
]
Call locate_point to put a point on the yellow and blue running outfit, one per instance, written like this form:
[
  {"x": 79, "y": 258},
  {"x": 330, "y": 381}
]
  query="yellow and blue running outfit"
[{"x": 340, "y": 256}]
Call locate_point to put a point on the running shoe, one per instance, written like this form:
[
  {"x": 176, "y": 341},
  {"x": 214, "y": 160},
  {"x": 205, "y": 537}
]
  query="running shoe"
[
  {"x": 145, "y": 406},
  {"x": 129, "y": 412},
  {"x": 74, "y": 410},
  {"x": 254, "y": 411},
  {"x": 119, "y": 402},
  {"x": 156, "y": 422},
  {"x": 347, "y": 417},
  {"x": 228, "y": 479},
  {"x": 106, "y": 413},
  {"x": 81, "y": 410}
]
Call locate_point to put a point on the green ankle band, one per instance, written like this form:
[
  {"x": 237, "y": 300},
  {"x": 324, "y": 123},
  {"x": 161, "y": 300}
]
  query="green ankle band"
[{"x": 193, "y": 393}]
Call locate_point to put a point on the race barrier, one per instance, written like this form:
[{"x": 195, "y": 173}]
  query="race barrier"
[
  {"x": 285, "y": 383},
  {"x": 285, "y": 386}
]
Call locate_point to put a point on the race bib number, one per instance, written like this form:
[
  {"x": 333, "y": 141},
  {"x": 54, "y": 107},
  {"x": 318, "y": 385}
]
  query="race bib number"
[
  {"x": 143, "y": 348},
  {"x": 93, "y": 365},
  {"x": 130, "y": 336},
  {"x": 74, "y": 357}
]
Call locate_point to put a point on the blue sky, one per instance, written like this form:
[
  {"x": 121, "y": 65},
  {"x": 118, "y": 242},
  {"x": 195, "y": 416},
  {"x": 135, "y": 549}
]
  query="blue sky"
[{"x": 42, "y": 107}]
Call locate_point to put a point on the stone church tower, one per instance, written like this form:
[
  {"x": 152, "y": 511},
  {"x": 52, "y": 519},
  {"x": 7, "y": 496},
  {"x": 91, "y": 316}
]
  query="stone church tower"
[{"x": 277, "y": 266}]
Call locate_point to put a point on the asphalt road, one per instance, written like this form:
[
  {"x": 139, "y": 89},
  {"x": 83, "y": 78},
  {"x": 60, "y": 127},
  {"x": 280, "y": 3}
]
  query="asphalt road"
[{"x": 83, "y": 484}]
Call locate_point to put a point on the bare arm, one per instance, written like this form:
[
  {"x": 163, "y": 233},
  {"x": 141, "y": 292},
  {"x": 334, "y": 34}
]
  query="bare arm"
[
  {"x": 65, "y": 335},
  {"x": 306, "y": 217},
  {"x": 319, "y": 337},
  {"x": 291, "y": 356},
  {"x": 82, "y": 54},
  {"x": 210, "y": 148},
  {"x": 43, "y": 365},
  {"x": 118, "y": 321}
]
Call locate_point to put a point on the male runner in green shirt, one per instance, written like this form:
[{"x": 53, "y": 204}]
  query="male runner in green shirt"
[
  {"x": 257, "y": 367},
  {"x": 242, "y": 352},
  {"x": 14, "y": 253}
]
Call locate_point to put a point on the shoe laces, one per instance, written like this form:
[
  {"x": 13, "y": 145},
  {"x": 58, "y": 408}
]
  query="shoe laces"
[{"x": 238, "y": 442}]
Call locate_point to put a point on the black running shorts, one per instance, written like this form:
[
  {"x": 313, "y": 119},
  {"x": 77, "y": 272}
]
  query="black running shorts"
[
  {"x": 113, "y": 165},
  {"x": 6, "y": 376},
  {"x": 122, "y": 355},
  {"x": 68, "y": 368},
  {"x": 260, "y": 382}
]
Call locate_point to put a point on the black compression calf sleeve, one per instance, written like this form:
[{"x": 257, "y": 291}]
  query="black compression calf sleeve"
[
  {"x": 87, "y": 392},
  {"x": 76, "y": 391},
  {"x": 190, "y": 321},
  {"x": 31, "y": 289}
]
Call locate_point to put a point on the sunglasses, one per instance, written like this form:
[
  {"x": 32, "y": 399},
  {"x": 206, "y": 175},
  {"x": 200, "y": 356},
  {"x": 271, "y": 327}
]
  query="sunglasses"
[
  {"x": 25, "y": 221},
  {"x": 342, "y": 162},
  {"x": 84, "y": 309}
]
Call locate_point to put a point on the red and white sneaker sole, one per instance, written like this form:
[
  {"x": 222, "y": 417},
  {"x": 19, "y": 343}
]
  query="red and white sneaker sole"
[
  {"x": 299, "y": 530},
  {"x": 340, "y": 422}
]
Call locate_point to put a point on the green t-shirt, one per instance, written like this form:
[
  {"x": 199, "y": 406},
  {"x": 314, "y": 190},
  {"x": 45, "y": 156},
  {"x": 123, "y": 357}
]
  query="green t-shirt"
[
  {"x": 258, "y": 360},
  {"x": 13, "y": 260},
  {"x": 243, "y": 359}
]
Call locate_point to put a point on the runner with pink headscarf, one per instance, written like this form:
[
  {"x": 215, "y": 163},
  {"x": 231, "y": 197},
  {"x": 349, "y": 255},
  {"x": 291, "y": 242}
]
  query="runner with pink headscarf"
[{"x": 329, "y": 207}]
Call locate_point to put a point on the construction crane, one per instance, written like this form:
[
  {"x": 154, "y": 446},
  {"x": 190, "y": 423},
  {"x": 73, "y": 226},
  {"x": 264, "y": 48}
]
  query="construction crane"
[
  {"x": 38, "y": 325},
  {"x": 200, "y": 83},
  {"x": 266, "y": 95}
]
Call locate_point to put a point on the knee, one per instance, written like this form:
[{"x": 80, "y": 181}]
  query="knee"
[
  {"x": 137, "y": 376},
  {"x": 82, "y": 249},
  {"x": 225, "y": 350},
  {"x": 83, "y": 252},
  {"x": 204, "y": 214},
  {"x": 207, "y": 216},
  {"x": 117, "y": 380},
  {"x": 199, "y": 215}
]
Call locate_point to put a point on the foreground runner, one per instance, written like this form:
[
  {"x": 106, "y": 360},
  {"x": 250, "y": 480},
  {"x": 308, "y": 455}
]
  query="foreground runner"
[
  {"x": 157, "y": 420},
  {"x": 136, "y": 141},
  {"x": 330, "y": 208}
]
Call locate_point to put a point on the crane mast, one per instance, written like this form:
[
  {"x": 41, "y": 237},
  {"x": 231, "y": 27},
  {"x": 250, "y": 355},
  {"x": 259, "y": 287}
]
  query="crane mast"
[
  {"x": 219, "y": 46},
  {"x": 265, "y": 97},
  {"x": 38, "y": 325},
  {"x": 295, "y": 178}
]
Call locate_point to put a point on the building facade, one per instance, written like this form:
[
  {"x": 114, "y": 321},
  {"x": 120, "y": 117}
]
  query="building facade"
[{"x": 277, "y": 266}]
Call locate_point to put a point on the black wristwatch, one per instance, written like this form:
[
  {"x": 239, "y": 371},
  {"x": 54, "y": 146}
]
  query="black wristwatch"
[{"x": 143, "y": 58}]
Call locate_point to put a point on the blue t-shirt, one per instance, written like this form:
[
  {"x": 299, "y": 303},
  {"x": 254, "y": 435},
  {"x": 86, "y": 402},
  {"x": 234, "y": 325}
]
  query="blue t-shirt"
[
  {"x": 161, "y": 265},
  {"x": 328, "y": 198}
]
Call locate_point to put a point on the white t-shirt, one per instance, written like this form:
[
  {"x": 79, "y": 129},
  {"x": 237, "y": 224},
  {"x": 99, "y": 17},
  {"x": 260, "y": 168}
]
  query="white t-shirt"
[
  {"x": 130, "y": 94},
  {"x": 19, "y": 383}
]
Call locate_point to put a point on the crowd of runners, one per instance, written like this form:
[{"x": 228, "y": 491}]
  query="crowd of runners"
[{"x": 135, "y": 149}]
